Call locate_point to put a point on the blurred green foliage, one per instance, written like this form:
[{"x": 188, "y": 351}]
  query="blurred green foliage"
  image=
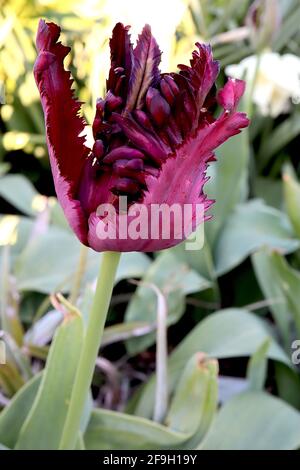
[{"x": 236, "y": 300}]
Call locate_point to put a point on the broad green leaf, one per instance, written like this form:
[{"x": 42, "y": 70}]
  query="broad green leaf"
[
  {"x": 291, "y": 190},
  {"x": 58, "y": 253},
  {"x": 198, "y": 386},
  {"x": 14, "y": 415},
  {"x": 269, "y": 189},
  {"x": 273, "y": 293},
  {"x": 57, "y": 215},
  {"x": 132, "y": 265},
  {"x": 15, "y": 231},
  {"x": 43, "y": 426},
  {"x": 257, "y": 366},
  {"x": 254, "y": 421},
  {"x": 200, "y": 259},
  {"x": 175, "y": 279},
  {"x": 227, "y": 333},
  {"x": 230, "y": 386},
  {"x": 20, "y": 193},
  {"x": 110, "y": 430},
  {"x": 278, "y": 279},
  {"x": 230, "y": 332},
  {"x": 42, "y": 331},
  {"x": 80, "y": 443},
  {"x": 288, "y": 384},
  {"x": 250, "y": 227},
  {"x": 279, "y": 138},
  {"x": 195, "y": 400},
  {"x": 228, "y": 182}
]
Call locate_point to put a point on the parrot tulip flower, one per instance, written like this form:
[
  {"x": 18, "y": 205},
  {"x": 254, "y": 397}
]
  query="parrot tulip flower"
[{"x": 154, "y": 135}]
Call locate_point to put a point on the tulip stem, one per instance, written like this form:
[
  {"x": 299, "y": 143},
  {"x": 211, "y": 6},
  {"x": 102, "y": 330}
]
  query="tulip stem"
[
  {"x": 161, "y": 392},
  {"x": 89, "y": 353},
  {"x": 79, "y": 274}
]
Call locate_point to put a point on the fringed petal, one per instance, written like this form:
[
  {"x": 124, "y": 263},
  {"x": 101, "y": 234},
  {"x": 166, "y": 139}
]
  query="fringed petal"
[
  {"x": 67, "y": 151},
  {"x": 201, "y": 74},
  {"x": 121, "y": 60},
  {"x": 229, "y": 96},
  {"x": 182, "y": 176},
  {"x": 180, "y": 182}
]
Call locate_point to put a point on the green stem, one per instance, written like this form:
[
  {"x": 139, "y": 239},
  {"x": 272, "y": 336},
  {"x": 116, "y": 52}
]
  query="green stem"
[
  {"x": 79, "y": 274},
  {"x": 90, "y": 349},
  {"x": 161, "y": 392}
]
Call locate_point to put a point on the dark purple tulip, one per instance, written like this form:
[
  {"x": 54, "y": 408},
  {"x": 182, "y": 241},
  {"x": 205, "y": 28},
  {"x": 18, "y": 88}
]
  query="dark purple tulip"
[{"x": 154, "y": 133}]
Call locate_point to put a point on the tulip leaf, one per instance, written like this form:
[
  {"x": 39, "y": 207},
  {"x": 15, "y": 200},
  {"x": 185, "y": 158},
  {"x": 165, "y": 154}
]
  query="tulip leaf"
[
  {"x": 278, "y": 280},
  {"x": 80, "y": 442},
  {"x": 110, "y": 430},
  {"x": 14, "y": 415},
  {"x": 195, "y": 400},
  {"x": 132, "y": 265},
  {"x": 227, "y": 333},
  {"x": 273, "y": 294},
  {"x": 44, "y": 424},
  {"x": 228, "y": 182},
  {"x": 19, "y": 192},
  {"x": 200, "y": 259},
  {"x": 270, "y": 190},
  {"x": 15, "y": 231},
  {"x": 175, "y": 279},
  {"x": 57, "y": 216},
  {"x": 283, "y": 133},
  {"x": 250, "y": 227},
  {"x": 42, "y": 331},
  {"x": 57, "y": 252},
  {"x": 231, "y": 386},
  {"x": 291, "y": 190},
  {"x": 257, "y": 366},
  {"x": 288, "y": 384},
  {"x": 254, "y": 421}
]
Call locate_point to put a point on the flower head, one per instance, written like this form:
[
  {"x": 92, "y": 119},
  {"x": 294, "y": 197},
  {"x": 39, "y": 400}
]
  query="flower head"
[{"x": 154, "y": 135}]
